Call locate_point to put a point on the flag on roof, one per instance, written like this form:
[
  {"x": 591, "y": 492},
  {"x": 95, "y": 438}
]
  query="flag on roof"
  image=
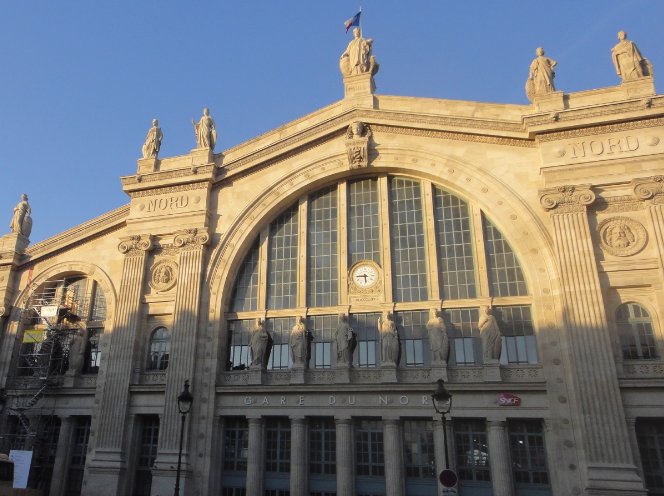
[{"x": 353, "y": 21}]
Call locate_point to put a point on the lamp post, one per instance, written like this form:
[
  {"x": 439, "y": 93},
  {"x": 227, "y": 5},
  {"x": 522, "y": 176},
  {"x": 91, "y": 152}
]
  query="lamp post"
[
  {"x": 184, "y": 405},
  {"x": 442, "y": 402}
]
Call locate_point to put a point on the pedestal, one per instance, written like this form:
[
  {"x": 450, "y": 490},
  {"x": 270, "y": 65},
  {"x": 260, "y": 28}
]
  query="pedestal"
[
  {"x": 359, "y": 91},
  {"x": 13, "y": 243},
  {"x": 549, "y": 101},
  {"x": 255, "y": 377},
  {"x": 342, "y": 375},
  {"x": 439, "y": 371},
  {"x": 389, "y": 373},
  {"x": 201, "y": 156},
  {"x": 297, "y": 374},
  {"x": 492, "y": 372},
  {"x": 639, "y": 87},
  {"x": 146, "y": 165}
]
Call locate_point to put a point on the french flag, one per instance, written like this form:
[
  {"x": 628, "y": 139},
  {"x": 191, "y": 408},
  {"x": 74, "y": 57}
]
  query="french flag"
[{"x": 353, "y": 21}]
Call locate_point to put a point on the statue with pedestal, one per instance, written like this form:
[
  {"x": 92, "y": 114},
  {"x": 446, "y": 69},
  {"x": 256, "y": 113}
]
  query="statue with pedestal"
[
  {"x": 490, "y": 335},
  {"x": 258, "y": 342},
  {"x": 440, "y": 343},
  {"x": 344, "y": 340},
  {"x": 77, "y": 350},
  {"x": 389, "y": 340},
  {"x": 358, "y": 65},
  {"x": 298, "y": 343},
  {"x": 21, "y": 221},
  {"x": 540, "y": 77},
  {"x": 629, "y": 63},
  {"x": 152, "y": 141},
  {"x": 205, "y": 130}
]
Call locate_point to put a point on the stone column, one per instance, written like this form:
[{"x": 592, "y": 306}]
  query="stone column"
[
  {"x": 651, "y": 190},
  {"x": 107, "y": 466},
  {"x": 394, "y": 473},
  {"x": 634, "y": 444},
  {"x": 592, "y": 373},
  {"x": 299, "y": 466},
  {"x": 345, "y": 468},
  {"x": 255, "y": 458},
  {"x": 62, "y": 456},
  {"x": 181, "y": 361},
  {"x": 499, "y": 458}
]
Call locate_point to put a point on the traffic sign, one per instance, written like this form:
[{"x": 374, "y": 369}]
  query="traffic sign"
[{"x": 448, "y": 478}]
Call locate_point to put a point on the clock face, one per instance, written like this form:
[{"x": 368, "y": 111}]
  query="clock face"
[{"x": 364, "y": 275}]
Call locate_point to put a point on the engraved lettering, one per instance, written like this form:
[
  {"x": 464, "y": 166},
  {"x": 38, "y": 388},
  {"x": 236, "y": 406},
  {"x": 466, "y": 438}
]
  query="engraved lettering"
[
  {"x": 578, "y": 149},
  {"x": 265, "y": 401},
  {"x": 283, "y": 400},
  {"x": 403, "y": 400},
  {"x": 351, "y": 400},
  {"x": 169, "y": 203},
  {"x": 425, "y": 400},
  {"x": 614, "y": 144},
  {"x": 301, "y": 400},
  {"x": 596, "y": 147},
  {"x": 382, "y": 400},
  {"x": 332, "y": 400},
  {"x": 248, "y": 400},
  {"x": 632, "y": 143}
]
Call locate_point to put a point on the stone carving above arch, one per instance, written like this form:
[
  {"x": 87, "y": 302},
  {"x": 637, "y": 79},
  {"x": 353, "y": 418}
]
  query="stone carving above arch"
[
  {"x": 163, "y": 275},
  {"x": 648, "y": 188},
  {"x": 136, "y": 244},
  {"x": 357, "y": 145},
  {"x": 565, "y": 199},
  {"x": 191, "y": 237},
  {"x": 622, "y": 236}
]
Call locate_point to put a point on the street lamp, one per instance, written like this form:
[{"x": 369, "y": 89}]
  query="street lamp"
[
  {"x": 184, "y": 405},
  {"x": 442, "y": 402}
]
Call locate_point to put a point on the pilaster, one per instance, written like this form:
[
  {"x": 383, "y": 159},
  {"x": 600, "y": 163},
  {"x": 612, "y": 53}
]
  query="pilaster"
[
  {"x": 345, "y": 481},
  {"x": 499, "y": 458},
  {"x": 299, "y": 465},
  {"x": 394, "y": 473},
  {"x": 651, "y": 190},
  {"x": 255, "y": 458},
  {"x": 191, "y": 243},
  {"x": 592, "y": 375},
  {"x": 62, "y": 456},
  {"x": 107, "y": 465}
]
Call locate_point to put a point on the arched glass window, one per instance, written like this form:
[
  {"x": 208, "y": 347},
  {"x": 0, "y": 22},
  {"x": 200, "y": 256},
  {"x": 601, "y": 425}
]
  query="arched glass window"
[
  {"x": 635, "y": 331},
  {"x": 370, "y": 243},
  {"x": 160, "y": 346}
]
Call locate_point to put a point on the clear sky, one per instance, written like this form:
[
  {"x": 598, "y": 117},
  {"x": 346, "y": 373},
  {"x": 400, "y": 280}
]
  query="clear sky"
[{"x": 82, "y": 79}]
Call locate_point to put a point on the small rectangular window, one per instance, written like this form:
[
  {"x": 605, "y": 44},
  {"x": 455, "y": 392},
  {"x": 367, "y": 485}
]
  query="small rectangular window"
[
  {"x": 365, "y": 326},
  {"x": 236, "y": 444},
  {"x": 464, "y": 337},
  {"x": 277, "y": 445}
]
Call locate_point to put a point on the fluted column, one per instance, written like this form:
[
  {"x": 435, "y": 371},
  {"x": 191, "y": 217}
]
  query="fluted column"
[
  {"x": 651, "y": 190},
  {"x": 255, "y": 458},
  {"x": 593, "y": 378},
  {"x": 183, "y": 335},
  {"x": 345, "y": 474},
  {"x": 62, "y": 456},
  {"x": 499, "y": 458},
  {"x": 299, "y": 466},
  {"x": 394, "y": 473}
]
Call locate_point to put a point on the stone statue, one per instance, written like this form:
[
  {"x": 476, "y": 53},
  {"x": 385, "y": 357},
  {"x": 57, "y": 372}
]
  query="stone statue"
[
  {"x": 440, "y": 343},
  {"x": 258, "y": 342},
  {"x": 77, "y": 350},
  {"x": 540, "y": 78},
  {"x": 344, "y": 339},
  {"x": 206, "y": 131},
  {"x": 298, "y": 342},
  {"x": 21, "y": 221},
  {"x": 153, "y": 140},
  {"x": 628, "y": 61},
  {"x": 358, "y": 59},
  {"x": 490, "y": 335},
  {"x": 389, "y": 339}
]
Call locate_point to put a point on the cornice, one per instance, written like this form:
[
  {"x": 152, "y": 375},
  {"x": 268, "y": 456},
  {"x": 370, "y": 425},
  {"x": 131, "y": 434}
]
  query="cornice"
[
  {"x": 601, "y": 129},
  {"x": 169, "y": 189},
  {"x": 456, "y": 136}
]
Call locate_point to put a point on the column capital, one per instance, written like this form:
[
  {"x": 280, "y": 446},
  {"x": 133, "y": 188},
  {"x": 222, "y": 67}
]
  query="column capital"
[
  {"x": 343, "y": 420},
  {"x": 191, "y": 238},
  {"x": 297, "y": 420},
  {"x": 135, "y": 245},
  {"x": 496, "y": 424},
  {"x": 255, "y": 420},
  {"x": 647, "y": 188},
  {"x": 567, "y": 199}
]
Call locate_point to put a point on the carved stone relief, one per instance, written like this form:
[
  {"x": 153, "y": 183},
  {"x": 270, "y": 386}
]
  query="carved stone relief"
[
  {"x": 191, "y": 237},
  {"x": 135, "y": 244},
  {"x": 357, "y": 145},
  {"x": 622, "y": 236},
  {"x": 565, "y": 199},
  {"x": 163, "y": 275}
]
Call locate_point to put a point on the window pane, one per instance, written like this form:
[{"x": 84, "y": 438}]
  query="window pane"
[
  {"x": 363, "y": 221},
  {"x": 282, "y": 261},
  {"x": 419, "y": 454},
  {"x": 277, "y": 445},
  {"x": 472, "y": 452},
  {"x": 414, "y": 338},
  {"x": 407, "y": 235},
  {"x": 516, "y": 327},
  {"x": 528, "y": 452},
  {"x": 365, "y": 326},
  {"x": 650, "y": 437},
  {"x": 636, "y": 332},
  {"x": 462, "y": 330},
  {"x": 322, "y": 273},
  {"x": 505, "y": 272},
  {"x": 323, "y": 328},
  {"x": 236, "y": 444},
  {"x": 239, "y": 334},
  {"x": 160, "y": 346},
  {"x": 280, "y": 329},
  {"x": 147, "y": 453},
  {"x": 455, "y": 246},
  {"x": 322, "y": 446},
  {"x": 245, "y": 291}
]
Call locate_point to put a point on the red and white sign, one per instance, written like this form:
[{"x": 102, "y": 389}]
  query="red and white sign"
[{"x": 508, "y": 399}]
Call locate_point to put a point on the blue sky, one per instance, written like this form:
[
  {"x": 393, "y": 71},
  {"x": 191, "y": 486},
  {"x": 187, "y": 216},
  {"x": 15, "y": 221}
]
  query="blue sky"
[{"x": 81, "y": 80}]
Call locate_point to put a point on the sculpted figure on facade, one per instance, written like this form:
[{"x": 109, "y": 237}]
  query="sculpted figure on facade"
[
  {"x": 490, "y": 335},
  {"x": 258, "y": 342},
  {"x": 206, "y": 131},
  {"x": 440, "y": 343},
  {"x": 153, "y": 140},
  {"x": 389, "y": 339},
  {"x": 21, "y": 221},
  {"x": 628, "y": 61},
  {"x": 344, "y": 339},
  {"x": 299, "y": 342},
  {"x": 540, "y": 78},
  {"x": 357, "y": 145},
  {"x": 77, "y": 350},
  {"x": 358, "y": 57}
]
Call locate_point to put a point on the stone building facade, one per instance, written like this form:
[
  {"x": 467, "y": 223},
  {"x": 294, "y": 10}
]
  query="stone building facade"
[{"x": 517, "y": 251}]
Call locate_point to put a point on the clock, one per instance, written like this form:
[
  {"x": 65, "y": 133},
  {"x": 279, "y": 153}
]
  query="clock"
[{"x": 364, "y": 275}]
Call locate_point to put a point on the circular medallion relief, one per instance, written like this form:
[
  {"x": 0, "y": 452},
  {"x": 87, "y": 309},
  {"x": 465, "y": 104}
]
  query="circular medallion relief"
[
  {"x": 622, "y": 236},
  {"x": 163, "y": 275}
]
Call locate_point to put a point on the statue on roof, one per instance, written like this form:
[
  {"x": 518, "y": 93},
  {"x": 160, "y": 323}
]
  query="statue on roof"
[
  {"x": 153, "y": 140},
  {"x": 357, "y": 58},
  {"x": 540, "y": 78},
  {"x": 21, "y": 221},
  {"x": 628, "y": 61},
  {"x": 206, "y": 131}
]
